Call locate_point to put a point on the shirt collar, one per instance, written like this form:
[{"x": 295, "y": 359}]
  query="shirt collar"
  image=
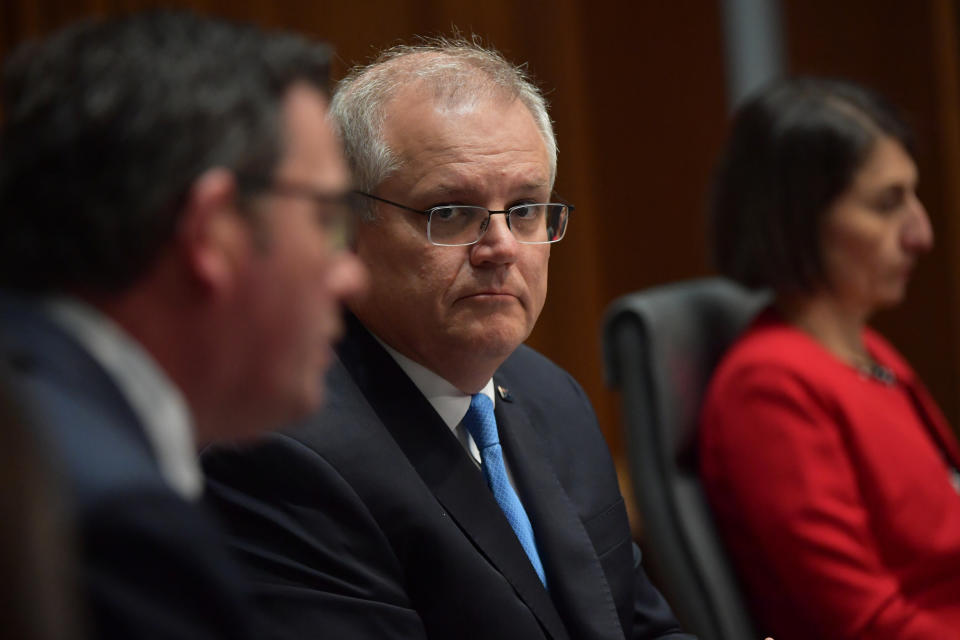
[
  {"x": 156, "y": 401},
  {"x": 448, "y": 401}
]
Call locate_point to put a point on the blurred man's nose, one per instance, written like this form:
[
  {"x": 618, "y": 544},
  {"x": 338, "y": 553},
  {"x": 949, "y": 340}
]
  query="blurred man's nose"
[{"x": 348, "y": 276}]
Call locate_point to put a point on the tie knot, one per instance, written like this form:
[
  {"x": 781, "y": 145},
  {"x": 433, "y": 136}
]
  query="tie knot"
[{"x": 480, "y": 423}]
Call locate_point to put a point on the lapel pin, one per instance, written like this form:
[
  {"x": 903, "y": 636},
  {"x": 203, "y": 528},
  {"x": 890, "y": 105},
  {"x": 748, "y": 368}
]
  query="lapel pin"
[{"x": 504, "y": 393}]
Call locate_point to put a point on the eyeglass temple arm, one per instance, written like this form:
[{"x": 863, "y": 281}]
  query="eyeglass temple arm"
[{"x": 390, "y": 202}]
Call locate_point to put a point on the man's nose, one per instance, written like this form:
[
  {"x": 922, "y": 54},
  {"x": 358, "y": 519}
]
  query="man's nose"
[{"x": 497, "y": 244}]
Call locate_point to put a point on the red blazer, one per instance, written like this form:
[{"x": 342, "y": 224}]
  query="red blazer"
[{"x": 833, "y": 490}]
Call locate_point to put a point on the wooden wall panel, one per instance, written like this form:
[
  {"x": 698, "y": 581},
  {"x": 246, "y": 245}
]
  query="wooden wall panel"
[
  {"x": 637, "y": 94},
  {"x": 656, "y": 98}
]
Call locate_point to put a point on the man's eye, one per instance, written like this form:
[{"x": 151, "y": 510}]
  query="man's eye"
[
  {"x": 458, "y": 213},
  {"x": 526, "y": 212},
  {"x": 445, "y": 214}
]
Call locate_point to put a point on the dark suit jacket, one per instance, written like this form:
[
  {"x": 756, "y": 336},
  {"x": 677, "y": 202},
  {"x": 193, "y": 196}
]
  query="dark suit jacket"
[
  {"x": 371, "y": 520},
  {"x": 151, "y": 564}
]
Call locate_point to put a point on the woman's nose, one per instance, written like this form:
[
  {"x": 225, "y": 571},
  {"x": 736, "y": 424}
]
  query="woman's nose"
[{"x": 917, "y": 231}]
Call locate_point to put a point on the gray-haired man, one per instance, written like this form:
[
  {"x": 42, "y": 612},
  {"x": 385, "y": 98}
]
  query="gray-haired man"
[{"x": 457, "y": 486}]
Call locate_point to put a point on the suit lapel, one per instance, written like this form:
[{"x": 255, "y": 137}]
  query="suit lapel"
[
  {"x": 576, "y": 580},
  {"x": 444, "y": 466}
]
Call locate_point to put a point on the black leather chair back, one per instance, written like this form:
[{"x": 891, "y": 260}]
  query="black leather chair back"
[{"x": 661, "y": 346}]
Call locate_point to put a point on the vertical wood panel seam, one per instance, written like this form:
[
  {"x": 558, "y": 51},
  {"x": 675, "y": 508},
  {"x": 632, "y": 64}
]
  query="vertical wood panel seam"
[{"x": 946, "y": 62}]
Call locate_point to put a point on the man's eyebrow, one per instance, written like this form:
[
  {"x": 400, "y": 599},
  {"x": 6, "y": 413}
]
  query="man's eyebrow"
[
  {"x": 527, "y": 186},
  {"x": 540, "y": 184},
  {"x": 468, "y": 188}
]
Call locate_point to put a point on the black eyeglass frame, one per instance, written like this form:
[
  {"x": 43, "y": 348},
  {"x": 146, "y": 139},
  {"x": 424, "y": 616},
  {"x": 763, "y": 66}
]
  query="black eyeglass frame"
[
  {"x": 346, "y": 203},
  {"x": 506, "y": 212}
]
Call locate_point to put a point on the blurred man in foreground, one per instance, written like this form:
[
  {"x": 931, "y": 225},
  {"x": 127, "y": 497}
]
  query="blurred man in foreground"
[
  {"x": 172, "y": 209},
  {"x": 457, "y": 484}
]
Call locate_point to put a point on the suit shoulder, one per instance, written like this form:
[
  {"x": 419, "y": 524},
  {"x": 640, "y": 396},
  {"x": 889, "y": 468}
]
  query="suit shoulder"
[
  {"x": 543, "y": 385},
  {"x": 524, "y": 357},
  {"x": 559, "y": 411},
  {"x": 528, "y": 367},
  {"x": 769, "y": 355},
  {"x": 98, "y": 453}
]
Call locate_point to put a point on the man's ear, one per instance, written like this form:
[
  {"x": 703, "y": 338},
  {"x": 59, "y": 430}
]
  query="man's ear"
[{"x": 215, "y": 241}]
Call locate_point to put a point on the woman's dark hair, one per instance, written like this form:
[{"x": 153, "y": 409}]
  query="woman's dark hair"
[{"x": 793, "y": 149}]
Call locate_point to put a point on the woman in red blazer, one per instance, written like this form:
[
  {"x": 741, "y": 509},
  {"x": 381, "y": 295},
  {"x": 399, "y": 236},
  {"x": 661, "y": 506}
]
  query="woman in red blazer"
[{"x": 831, "y": 472}]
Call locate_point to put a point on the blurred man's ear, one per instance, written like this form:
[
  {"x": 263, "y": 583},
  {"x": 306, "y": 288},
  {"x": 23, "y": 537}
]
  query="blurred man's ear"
[{"x": 215, "y": 238}]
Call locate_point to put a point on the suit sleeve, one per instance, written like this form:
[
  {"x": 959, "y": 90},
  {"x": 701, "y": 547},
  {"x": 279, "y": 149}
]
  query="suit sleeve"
[
  {"x": 652, "y": 615},
  {"x": 786, "y": 494},
  {"x": 153, "y": 569},
  {"x": 320, "y": 564}
]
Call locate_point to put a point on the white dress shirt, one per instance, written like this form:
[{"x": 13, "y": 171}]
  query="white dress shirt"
[
  {"x": 448, "y": 401},
  {"x": 156, "y": 401}
]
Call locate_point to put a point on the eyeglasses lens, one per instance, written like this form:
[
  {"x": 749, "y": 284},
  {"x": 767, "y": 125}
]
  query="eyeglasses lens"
[{"x": 464, "y": 225}]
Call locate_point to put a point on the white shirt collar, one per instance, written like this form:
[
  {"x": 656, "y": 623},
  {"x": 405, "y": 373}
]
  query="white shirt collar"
[
  {"x": 157, "y": 402},
  {"x": 448, "y": 401}
]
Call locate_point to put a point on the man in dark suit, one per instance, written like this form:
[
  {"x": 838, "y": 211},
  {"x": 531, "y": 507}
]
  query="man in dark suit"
[
  {"x": 172, "y": 205},
  {"x": 456, "y": 485}
]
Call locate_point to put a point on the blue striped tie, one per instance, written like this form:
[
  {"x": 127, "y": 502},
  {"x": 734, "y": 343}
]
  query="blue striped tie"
[{"x": 482, "y": 426}]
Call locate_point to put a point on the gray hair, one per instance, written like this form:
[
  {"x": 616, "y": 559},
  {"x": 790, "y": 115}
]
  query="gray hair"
[{"x": 457, "y": 70}]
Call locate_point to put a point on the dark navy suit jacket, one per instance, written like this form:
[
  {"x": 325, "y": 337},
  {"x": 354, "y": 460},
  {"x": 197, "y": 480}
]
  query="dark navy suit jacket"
[
  {"x": 152, "y": 565},
  {"x": 371, "y": 520}
]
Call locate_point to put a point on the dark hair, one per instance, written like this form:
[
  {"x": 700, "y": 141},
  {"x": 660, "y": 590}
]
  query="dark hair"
[
  {"x": 107, "y": 124},
  {"x": 794, "y": 148}
]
